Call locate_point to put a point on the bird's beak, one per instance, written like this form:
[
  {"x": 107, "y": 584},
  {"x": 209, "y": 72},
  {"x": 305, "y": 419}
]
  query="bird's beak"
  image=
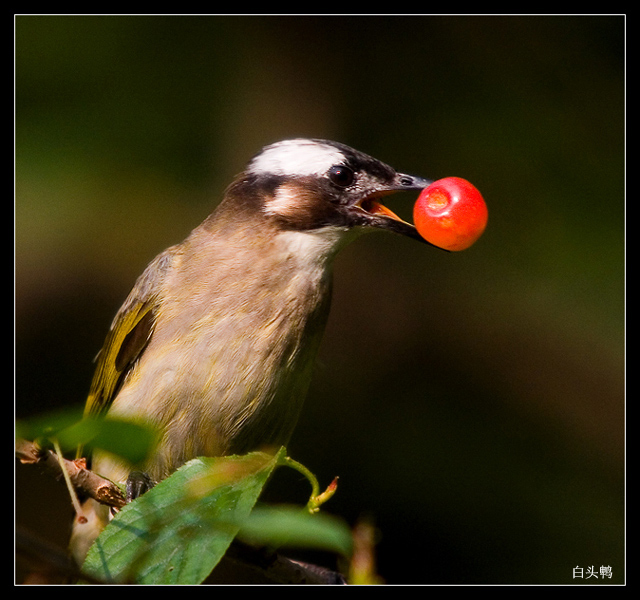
[{"x": 375, "y": 214}]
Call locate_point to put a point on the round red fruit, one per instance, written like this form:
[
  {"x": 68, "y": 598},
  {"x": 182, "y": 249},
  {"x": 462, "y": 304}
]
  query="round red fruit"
[{"x": 450, "y": 213}]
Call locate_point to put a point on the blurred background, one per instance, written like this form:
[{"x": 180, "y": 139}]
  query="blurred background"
[{"x": 473, "y": 403}]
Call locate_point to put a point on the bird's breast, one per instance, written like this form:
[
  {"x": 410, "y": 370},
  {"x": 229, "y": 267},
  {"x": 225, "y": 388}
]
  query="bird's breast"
[{"x": 232, "y": 351}]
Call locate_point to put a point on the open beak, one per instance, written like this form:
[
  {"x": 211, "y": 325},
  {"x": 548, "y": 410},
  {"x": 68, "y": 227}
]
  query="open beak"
[{"x": 377, "y": 215}]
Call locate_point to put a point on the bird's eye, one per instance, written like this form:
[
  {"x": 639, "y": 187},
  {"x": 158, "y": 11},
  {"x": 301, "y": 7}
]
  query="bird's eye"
[{"x": 341, "y": 175}]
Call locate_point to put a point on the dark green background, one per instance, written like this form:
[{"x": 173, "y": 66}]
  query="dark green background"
[{"x": 472, "y": 403}]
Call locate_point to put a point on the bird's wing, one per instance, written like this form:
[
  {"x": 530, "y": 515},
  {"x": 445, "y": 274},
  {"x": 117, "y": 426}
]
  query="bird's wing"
[{"x": 129, "y": 335}]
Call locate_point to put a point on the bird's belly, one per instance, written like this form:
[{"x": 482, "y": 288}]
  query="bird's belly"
[{"x": 209, "y": 399}]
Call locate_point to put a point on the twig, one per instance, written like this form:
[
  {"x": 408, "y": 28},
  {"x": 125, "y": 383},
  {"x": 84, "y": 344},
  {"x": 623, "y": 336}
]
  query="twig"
[{"x": 82, "y": 479}]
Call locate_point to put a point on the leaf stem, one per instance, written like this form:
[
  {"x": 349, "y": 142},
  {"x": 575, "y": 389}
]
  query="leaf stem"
[{"x": 317, "y": 498}]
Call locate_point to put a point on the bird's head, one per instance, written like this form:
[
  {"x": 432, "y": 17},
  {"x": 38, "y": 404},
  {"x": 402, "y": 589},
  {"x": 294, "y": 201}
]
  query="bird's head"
[{"x": 311, "y": 185}]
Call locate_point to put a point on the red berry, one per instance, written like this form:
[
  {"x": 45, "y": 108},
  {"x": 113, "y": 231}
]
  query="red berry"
[{"x": 450, "y": 214}]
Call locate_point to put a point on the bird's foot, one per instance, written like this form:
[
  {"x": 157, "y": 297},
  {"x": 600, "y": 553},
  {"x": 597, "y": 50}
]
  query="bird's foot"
[{"x": 137, "y": 484}]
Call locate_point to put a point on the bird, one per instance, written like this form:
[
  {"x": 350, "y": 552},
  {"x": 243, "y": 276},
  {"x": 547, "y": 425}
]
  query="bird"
[{"x": 216, "y": 343}]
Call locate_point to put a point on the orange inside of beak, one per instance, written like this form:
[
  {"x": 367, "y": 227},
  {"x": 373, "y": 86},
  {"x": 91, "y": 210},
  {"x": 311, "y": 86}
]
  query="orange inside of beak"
[{"x": 375, "y": 208}]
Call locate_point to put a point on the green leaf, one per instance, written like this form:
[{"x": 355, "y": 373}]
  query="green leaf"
[
  {"x": 48, "y": 425},
  {"x": 130, "y": 440},
  {"x": 290, "y": 526},
  {"x": 177, "y": 532}
]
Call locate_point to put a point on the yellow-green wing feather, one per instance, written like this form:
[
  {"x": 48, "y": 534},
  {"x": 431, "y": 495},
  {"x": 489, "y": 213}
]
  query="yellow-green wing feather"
[
  {"x": 125, "y": 342},
  {"x": 129, "y": 335}
]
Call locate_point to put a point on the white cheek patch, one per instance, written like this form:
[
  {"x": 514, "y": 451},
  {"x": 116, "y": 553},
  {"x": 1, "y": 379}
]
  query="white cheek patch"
[
  {"x": 296, "y": 158},
  {"x": 285, "y": 202}
]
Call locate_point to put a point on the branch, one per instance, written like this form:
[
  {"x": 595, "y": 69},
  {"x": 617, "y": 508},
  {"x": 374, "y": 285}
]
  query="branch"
[
  {"x": 280, "y": 569},
  {"x": 83, "y": 480},
  {"x": 47, "y": 563}
]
